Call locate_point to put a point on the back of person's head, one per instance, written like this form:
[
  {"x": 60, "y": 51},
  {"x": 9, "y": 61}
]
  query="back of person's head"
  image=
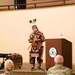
[
  {"x": 9, "y": 65},
  {"x": 59, "y": 59}
]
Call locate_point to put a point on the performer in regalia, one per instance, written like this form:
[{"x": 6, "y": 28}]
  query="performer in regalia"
[{"x": 36, "y": 39}]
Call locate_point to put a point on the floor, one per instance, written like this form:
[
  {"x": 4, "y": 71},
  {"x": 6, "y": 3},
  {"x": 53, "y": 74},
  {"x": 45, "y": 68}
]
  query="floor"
[{"x": 26, "y": 70}]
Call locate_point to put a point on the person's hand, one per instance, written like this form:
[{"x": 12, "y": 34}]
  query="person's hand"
[
  {"x": 36, "y": 51},
  {"x": 35, "y": 39},
  {"x": 33, "y": 51}
]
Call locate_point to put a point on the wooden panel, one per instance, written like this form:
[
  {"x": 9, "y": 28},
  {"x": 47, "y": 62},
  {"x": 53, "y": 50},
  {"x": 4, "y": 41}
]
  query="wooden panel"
[{"x": 63, "y": 47}]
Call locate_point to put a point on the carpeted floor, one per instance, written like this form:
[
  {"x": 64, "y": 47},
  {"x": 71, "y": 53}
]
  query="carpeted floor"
[{"x": 26, "y": 70}]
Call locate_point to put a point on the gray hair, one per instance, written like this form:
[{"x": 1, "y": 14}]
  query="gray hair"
[
  {"x": 9, "y": 65},
  {"x": 59, "y": 59}
]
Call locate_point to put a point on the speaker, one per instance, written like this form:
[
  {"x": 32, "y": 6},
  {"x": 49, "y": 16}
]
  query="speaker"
[{"x": 16, "y": 2}]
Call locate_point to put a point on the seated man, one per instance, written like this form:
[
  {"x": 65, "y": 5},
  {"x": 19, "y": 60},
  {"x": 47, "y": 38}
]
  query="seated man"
[
  {"x": 9, "y": 66},
  {"x": 59, "y": 69}
]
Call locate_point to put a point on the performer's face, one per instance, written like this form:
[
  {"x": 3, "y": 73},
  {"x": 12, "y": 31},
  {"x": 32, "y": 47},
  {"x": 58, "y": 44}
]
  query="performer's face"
[{"x": 35, "y": 29}]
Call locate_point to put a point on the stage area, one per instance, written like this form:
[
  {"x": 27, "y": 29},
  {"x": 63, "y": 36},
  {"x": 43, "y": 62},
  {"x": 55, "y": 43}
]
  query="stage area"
[{"x": 26, "y": 70}]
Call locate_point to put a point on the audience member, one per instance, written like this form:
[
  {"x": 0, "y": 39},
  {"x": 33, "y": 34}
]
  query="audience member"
[
  {"x": 59, "y": 69},
  {"x": 9, "y": 66}
]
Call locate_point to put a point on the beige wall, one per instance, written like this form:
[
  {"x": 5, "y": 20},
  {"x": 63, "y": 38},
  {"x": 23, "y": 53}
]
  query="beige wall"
[
  {"x": 42, "y": 4},
  {"x": 10, "y": 2},
  {"x": 6, "y": 2},
  {"x": 47, "y": 4},
  {"x": 34, "y": 1},
  {"x": 15, "y": 28}
]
